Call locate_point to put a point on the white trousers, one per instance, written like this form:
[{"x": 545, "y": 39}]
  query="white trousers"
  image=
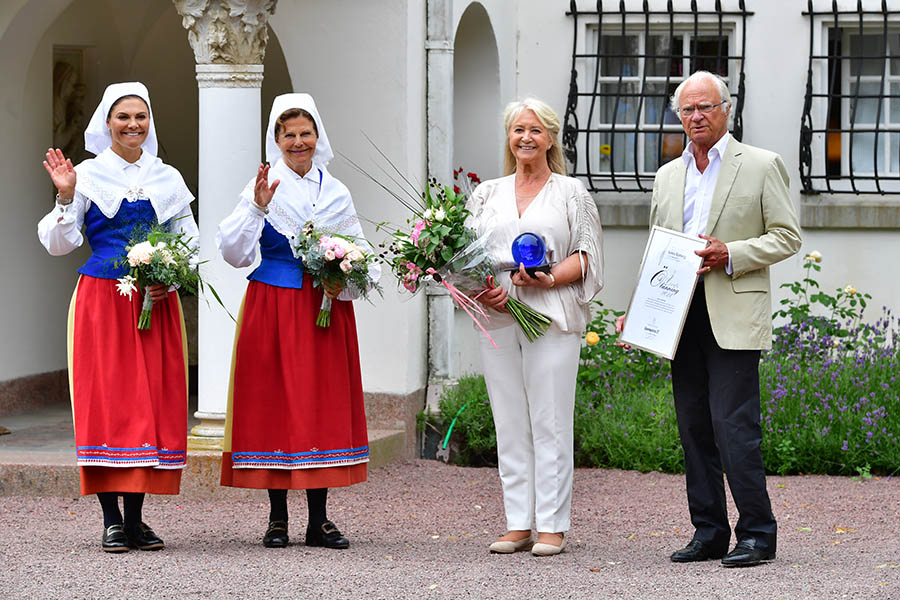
[{"x": 532, "y": 390}]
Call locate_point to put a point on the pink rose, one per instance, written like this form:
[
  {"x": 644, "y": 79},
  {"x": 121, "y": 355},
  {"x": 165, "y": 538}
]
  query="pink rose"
[
  {"x": 346, "y": 266},
  {"x": 339, "y": 251},
  {"x": 329, "y": 255}
]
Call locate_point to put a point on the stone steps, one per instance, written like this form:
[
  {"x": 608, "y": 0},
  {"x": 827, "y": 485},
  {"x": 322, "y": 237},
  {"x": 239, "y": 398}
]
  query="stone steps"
[{"x": 29, "y": 471}]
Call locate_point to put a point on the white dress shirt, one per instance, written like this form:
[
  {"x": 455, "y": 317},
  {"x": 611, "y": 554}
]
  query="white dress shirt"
[{"x": 699, "y": 188}]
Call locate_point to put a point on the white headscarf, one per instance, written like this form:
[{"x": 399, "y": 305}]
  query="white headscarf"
[
  {"x": 96, "y": 136},
  {"x": 323, "y": 154},
  {"x": 100, "y": 179},
  {"x": 291, "y": 206}
]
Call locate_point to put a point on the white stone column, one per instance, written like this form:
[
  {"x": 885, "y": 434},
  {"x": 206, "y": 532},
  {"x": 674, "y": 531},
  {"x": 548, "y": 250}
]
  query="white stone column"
[
  {"x": 439, "y": 110},
  {"x": 228, "y": 38}
]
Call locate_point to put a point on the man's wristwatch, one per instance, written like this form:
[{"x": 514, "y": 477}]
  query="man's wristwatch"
[{"x": 64, "y": 201}]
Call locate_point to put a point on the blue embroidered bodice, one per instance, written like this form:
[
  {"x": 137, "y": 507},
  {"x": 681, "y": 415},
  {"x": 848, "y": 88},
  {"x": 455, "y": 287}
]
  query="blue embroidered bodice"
[
  {"x": 278, "y": 266},
  {"x": 108, "y": 237}
]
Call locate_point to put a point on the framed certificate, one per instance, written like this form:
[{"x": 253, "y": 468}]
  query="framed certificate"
[{"x": 662, "y": 296}]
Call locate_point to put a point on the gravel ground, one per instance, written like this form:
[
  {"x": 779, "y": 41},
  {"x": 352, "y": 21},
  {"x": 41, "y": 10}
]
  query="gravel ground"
[{"x": 421, "y": 529}]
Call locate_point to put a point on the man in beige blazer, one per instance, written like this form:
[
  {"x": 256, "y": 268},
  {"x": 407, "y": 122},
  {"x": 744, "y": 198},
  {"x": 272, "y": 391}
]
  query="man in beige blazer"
[{"x": 736, "y": 197}]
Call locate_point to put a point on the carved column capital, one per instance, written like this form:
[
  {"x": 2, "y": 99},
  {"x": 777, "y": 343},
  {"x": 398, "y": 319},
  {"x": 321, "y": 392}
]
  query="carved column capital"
[{"x": 229, "y": 32}]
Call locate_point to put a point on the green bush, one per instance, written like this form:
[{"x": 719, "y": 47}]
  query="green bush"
[{"x": 829, "y": 395}]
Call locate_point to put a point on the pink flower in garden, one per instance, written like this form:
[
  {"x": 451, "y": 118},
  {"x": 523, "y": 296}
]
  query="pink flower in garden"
[{"x": 417, "y": 231}]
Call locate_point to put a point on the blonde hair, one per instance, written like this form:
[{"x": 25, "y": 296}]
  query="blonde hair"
[{"x": 548, "y": 119}]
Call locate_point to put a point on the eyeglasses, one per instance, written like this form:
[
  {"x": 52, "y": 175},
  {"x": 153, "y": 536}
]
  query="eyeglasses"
[{"x": 704, "y": 108}]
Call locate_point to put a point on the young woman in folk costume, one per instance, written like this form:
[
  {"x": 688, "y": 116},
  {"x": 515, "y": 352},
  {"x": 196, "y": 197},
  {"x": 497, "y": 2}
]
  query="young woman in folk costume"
[{"x": 128, "y": 386}]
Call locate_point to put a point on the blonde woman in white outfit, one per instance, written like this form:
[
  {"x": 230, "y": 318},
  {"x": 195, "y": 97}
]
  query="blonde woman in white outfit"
[{"x": 532, "y": 385}]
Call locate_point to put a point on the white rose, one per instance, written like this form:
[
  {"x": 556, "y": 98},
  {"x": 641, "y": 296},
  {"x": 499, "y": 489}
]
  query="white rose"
[
  {"x": 355, "y": 255},
  {"x": 329, "y": 254},
  {"x": 346, "y": 266}
]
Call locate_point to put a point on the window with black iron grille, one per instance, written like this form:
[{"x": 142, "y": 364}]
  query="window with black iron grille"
[
  {"x": 618, "y": 125},
  {"x": 850, "y": 132}
]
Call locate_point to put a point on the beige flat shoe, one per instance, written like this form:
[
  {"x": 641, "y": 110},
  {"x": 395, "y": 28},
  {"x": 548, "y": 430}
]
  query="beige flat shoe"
[
  {"x": 548, "y": 549},
  {"x": 510, "y": 547}
]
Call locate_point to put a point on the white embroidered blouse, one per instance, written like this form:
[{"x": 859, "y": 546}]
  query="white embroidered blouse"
[{"x": 565, "y": 216}]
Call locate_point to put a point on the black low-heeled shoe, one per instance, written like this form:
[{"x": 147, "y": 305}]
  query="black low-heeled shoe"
[
  {"x": 114, "y": 539},
  {"x": 327, "y": 536},
  {"x": 276, "y": 535},
  {"x": 142, "y": 537}
]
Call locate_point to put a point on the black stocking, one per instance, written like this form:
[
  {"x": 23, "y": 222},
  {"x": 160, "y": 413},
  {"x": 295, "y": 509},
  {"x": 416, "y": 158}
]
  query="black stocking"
[
  {"x": 278, "y": 505},
  {"x": 317, "y": 500},
  {"x": 133, "y": 503},
  {"x": 109, "y": 502}
]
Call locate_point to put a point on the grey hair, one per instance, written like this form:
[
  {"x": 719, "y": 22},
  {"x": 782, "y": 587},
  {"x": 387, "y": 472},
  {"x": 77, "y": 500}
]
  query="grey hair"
[{"x": 724, "y": 94}]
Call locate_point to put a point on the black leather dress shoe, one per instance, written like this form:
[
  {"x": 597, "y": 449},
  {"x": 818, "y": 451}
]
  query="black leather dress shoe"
[
  {"x": 114, "y": 539},
  {"x": 697, "y": 551},
  {"x": 326, "y": 535},
  {"x": 276, "y": 535},
  {"x": 747, "y": 554},
  {"x": 142, "y": 537}
]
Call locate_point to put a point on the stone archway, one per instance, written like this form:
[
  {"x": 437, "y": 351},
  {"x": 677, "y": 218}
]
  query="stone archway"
[{"x": 477, "y": 117}]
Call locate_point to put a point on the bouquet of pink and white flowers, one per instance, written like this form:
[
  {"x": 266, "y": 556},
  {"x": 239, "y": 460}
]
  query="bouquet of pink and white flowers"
[
  {"x": 164, "y": 257},
  {"x": 440, "y": 244},
  {"x": 332, "y": 259}
]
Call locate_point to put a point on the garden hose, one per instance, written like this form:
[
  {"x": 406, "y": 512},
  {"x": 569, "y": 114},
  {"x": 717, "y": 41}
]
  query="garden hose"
[{"x": 452, "y": 423}]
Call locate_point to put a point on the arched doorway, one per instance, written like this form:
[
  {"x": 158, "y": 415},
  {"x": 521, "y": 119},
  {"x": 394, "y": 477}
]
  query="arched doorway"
[{"x": 477, "y": 117}]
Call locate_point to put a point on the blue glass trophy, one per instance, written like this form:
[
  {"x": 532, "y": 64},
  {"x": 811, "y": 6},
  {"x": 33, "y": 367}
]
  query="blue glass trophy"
[{"x": 529, "y": 250}]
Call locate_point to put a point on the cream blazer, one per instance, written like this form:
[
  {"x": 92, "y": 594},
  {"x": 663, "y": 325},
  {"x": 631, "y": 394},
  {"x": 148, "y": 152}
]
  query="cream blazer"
[{"x": 752, "y": 213}]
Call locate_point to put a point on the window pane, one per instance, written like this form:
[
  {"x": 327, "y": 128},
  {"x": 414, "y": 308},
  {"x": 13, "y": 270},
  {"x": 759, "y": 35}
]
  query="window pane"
[
  {"x": 710, "y": 54},
  {"x": 864, "y": 149},
  {"x": 618, "y": 148},
  {"x": 867, "y": 45},
  {"x": 894, "y": 42},
  {"x": 612, "y": 47},
  {"x": 656, "y": 101},
  {"x": 664, "y": 56},
  {"x": 895, "y": 103},
  {"x": 625, "y": 110},
  {"x": 866, "y": 108},
  {"x": 895, "y": 153},
  {"x": 672, "y": 147}
]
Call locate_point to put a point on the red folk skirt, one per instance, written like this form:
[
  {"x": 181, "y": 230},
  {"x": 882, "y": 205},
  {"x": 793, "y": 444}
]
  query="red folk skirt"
[
  {"x": 296, "y": 417},
  {"x": 129, "y": 390}
]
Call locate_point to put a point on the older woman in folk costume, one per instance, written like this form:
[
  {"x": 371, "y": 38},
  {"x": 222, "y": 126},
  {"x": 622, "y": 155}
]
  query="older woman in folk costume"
[
  {"x": 129, "y": 386},
  {"x": 532, "y": 384},
  {"x": 296, "y": 418}
]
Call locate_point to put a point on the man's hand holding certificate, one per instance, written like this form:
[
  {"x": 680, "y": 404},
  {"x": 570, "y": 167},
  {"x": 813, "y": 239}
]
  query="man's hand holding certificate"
[{"x": 662, "y": 296}]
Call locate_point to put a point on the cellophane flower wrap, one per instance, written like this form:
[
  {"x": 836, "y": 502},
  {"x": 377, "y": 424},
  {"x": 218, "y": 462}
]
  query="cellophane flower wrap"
[
  {"x": 160, "y": 257},
  {"x": 440, "y": 243},
  {"x": 333, "y": 259}
]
